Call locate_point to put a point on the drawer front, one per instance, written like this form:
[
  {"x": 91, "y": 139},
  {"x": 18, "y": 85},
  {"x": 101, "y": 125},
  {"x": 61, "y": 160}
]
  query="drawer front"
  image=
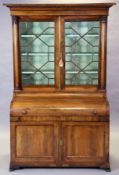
[
  {"x": 34, "y": 143},
  {"x": 84, "y": 144}
]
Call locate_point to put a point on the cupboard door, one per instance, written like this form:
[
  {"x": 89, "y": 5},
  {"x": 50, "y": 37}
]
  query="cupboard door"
[
  {"x": 37, "y": 40},
  {"x": 37, "y": 143},
  {"x": 81, "y": 52},
  {"x": 84, "y": 144}
]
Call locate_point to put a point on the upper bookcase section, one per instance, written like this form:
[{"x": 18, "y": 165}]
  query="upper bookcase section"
[{"x": 55, "y": 9}]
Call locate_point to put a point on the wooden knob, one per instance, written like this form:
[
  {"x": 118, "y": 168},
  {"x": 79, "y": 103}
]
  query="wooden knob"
[
  {"x": 24, "y": 112},
  {"x": 94, "y": 112}
]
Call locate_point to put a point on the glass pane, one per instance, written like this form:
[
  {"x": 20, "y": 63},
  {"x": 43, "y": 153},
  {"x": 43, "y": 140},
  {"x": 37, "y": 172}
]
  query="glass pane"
[
  {"x": 37, "y": 53},
  {"x": 81, "y": 53}
]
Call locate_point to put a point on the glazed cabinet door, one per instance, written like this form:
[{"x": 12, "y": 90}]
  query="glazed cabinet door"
[
  {"x": 37, "y": 52},
  {"x": 36, "y": 144},
  {"x": 84, "y": 144},
  {"x": 81, "y": 52}
]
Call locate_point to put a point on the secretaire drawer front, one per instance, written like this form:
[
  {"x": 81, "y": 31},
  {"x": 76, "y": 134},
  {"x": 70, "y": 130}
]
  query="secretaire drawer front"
[
  {"x": 60, "y": 113},
  {"x": 61, "y": 108},
  {"x": 59, "y": 119}
]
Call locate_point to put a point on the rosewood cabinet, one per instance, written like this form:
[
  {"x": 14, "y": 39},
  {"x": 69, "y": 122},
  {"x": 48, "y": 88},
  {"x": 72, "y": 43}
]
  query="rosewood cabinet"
[{"x": 59, "y": 114}]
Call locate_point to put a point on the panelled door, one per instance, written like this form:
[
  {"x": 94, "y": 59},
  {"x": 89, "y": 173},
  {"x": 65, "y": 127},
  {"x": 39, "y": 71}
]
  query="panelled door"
[
  {"x": 60, "y": 52},
  {"x": 35, "y": 142},
  {"x": 84, "y": 143}
]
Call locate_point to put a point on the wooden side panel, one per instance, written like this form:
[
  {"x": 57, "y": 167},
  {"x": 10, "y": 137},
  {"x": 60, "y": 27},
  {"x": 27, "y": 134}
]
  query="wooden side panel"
[
  {"x": 84, "y": 144},
  {"x": 16, "y": 54},
  {"x": 103, "y": 52},
  {"x": 35, "y": 144}
]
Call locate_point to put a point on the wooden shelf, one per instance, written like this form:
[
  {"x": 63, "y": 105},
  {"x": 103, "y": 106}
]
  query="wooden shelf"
[
  {"x": 39, "y": 53},
  {"x": 67, "y": 72},
  {"x": 52, "y": 35}
]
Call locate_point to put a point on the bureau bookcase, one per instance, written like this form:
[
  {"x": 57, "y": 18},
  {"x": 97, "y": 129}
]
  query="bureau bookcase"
[{"x": 59, "y": 114}]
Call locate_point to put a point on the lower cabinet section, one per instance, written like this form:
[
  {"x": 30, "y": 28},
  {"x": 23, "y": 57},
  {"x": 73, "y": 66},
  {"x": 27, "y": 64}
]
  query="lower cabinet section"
[{"x": 59, "y": 144}]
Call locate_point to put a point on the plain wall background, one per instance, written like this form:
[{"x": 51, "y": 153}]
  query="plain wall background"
[
  {"x": 6, "y": 62},
  {"x": 6, "y": 89}
]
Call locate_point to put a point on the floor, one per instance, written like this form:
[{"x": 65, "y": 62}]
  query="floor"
[{"x": 114, "y": 159}]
